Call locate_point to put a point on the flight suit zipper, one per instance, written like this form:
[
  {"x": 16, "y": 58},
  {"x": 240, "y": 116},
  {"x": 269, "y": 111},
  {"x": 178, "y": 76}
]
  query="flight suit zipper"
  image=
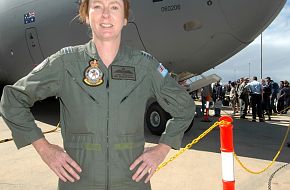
[{"x": 108, "y": 114}]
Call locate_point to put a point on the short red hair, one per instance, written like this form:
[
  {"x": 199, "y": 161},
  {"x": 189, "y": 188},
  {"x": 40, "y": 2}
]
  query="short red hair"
[{"x": 84, "y": 9}]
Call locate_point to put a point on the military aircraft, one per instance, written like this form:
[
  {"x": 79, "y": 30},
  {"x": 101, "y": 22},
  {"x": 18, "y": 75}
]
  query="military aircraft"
[{"x": 184, "y": 35}]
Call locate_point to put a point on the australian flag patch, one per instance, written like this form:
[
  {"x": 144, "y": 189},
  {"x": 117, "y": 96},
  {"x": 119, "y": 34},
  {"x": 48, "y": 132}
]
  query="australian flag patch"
[
  {"x": 29, "y": 18},
  {"x": 162, "y": 70}
]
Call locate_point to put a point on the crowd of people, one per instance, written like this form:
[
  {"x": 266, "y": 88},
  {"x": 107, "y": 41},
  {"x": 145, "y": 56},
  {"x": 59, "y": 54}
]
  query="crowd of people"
[{"x": 263, "y": 97}]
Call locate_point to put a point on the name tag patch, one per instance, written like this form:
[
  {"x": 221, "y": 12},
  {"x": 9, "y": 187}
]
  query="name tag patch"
[{"x": 123, "y": 73}]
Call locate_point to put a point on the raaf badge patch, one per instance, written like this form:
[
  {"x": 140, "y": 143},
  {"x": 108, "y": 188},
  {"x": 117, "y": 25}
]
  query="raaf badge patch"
[{"x": 93, "y": 76}]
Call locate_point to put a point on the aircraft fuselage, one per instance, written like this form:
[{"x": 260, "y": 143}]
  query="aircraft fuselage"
[{"x": 184, "y": 35}]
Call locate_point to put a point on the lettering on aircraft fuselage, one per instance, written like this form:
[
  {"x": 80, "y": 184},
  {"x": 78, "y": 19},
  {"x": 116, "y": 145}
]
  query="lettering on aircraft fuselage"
[
  {"x": 168, "y": 8},
  {"x": 171, "y": 8}
]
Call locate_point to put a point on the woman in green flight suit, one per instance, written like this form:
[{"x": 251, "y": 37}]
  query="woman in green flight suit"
[{"x": 103, "y": 87}]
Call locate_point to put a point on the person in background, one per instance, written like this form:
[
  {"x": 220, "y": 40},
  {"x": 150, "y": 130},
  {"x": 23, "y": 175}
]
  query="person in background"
[
  {"x": 226, "y": 94},
  {"x": 206, "y": 94},
  {"x": 266, "y": 94},
  {"x": 280, "y": 100},
  {"x": 233, "y": 98},
  {"x": 227, "y": 87},
  {"x": 217, "y": 96},
  {"x": 196, "y": 94},
  {"x": 243, "y": 95},
  {"x": 285, "y": 95},
  {"x": 217, "y": 107},
  {"x": 238, "y": 83},
  {"x": 255, "y": 89},
  {"x": 274, "y": 93},
  {"x": 285, "y": 92}
]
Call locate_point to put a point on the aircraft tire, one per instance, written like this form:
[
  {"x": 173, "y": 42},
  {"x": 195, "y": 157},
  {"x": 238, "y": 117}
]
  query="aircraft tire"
[
  {"x": 156, "y": 119},
  {"x": 190, "y": 126}
]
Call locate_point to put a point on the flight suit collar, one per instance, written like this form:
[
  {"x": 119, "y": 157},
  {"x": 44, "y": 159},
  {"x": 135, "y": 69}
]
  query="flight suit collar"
[{"x": 91, "y": 50}]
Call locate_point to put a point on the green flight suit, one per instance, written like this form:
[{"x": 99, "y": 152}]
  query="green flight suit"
[{"x": 102, "y": 126}]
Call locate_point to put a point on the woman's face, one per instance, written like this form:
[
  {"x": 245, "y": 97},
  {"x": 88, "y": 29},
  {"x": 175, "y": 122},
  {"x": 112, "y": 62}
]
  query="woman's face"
[{"x": 106, "y": 18}]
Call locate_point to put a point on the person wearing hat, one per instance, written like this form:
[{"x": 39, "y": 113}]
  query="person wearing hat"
[{"x": 103, "y": 88}]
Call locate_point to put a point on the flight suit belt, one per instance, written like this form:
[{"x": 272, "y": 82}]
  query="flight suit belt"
[{"x": 98, "y": 147}]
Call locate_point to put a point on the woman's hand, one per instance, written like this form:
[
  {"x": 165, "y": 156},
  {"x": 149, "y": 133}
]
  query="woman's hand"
[
  {"x": 149, "y": 161},
  {"x": 58, "y": 160}
]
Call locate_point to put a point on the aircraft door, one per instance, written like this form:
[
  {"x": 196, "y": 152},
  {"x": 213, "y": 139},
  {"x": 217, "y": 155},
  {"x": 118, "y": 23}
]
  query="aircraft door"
[{"x": 33, "y": 45}]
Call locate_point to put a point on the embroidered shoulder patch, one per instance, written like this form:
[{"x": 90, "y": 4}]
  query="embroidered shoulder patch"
[
  {"x": 162, "y": 70},
  {"x": 147, "y": 55},
  {"x": 40, "y": 66},
  {"x": 66, "y": 50}
]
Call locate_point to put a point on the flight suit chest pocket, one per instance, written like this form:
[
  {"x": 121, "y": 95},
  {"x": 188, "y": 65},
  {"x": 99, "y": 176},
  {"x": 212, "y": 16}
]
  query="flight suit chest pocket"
[
  {"x": 131, "y": 89},
  {"x": 131, "y": 108},
  {"x": 75, "y": 88}
]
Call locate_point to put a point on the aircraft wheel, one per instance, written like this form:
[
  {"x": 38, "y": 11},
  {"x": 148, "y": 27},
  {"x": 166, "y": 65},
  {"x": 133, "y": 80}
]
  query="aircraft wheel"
[
  {"x": 156, "y": 119},
  {"x": 190, "y": 126}
]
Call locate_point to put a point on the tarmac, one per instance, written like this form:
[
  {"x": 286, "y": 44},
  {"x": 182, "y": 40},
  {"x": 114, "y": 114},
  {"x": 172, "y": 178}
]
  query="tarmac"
[{"x": 197, "y": 169}]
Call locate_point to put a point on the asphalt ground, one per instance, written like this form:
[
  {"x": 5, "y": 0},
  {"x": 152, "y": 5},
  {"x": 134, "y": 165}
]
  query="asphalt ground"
[{"x": 197, "y": 169}]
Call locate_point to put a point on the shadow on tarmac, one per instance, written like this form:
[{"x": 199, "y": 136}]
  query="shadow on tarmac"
[{"x": 254, "y": 140}]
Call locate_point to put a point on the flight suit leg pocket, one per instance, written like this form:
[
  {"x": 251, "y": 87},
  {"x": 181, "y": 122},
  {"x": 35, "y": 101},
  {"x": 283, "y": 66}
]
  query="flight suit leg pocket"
[
  {"x": 124, "y": 154},
  {"x": 79, "y": 154},
  {"x": 87, "y": 154}
]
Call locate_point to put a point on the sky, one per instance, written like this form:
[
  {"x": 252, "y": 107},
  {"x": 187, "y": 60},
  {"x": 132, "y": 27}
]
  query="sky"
[{"x": 275, "y": 59}]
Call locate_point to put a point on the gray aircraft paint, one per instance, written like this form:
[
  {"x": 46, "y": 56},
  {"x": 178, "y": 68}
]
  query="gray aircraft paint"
[{"x": 185, "y": 35}]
